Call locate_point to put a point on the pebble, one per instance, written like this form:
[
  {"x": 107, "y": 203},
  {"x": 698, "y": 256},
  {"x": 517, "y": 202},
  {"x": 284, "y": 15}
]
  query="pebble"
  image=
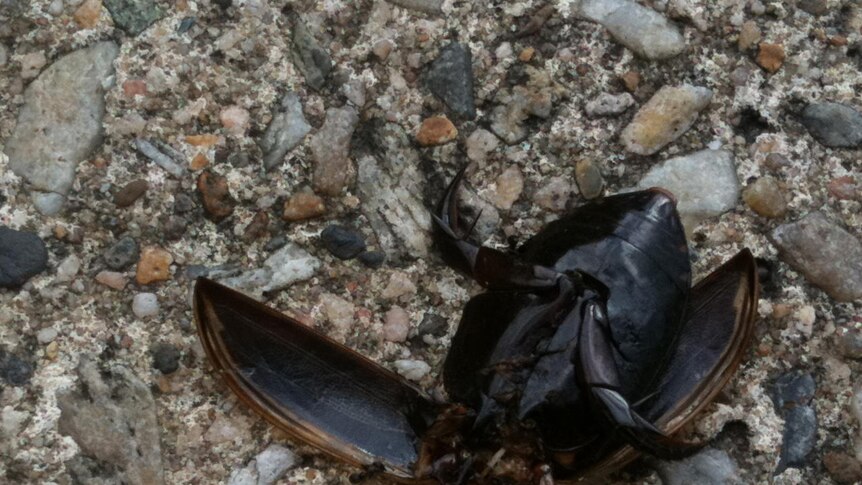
[
  {"x": 157, "y": 156},
  {"x": 643, "y": 30},
  {"x": 286, "y": 130},
  {"x": 217, "y": 201},
  {"x": 111, "y": 415},
  {"x": 770, "y": 56},
  {"x": 382, "y": 48},
  {"x": 153, "y": 266},
  {"x": 343, "y": 242},
  {"x": 234, "y": 119},
  {"x": 166, "y": 357},
  {"x": 396, "y": 325},
  {"x": 400, "y": 284},
  {"x": 834, "y": 125},
  {"x": 338, "y": 311},
  {"x": 631, "y": 80},
  {"x": 749, "y": 35},
  {"x": 426, "y": 6},
  {"x": 704, "y": 184},
  {"x": 850, "y": 343},
  {"x": 436, "y": 130},
  {"x": 282, "y": 268},
  {"x": 257, "y": 228},
  {"x": 112, "y": 279},
  {"x": 22, "y": 256},
  {"x": 302, "y": 206},
  {"x": 555, "y": 193},
  {"x": 607, "y": 104},
  {"x": 87, "y": 15},
  {"x": 32, "y": 63},
  {"x": 60, "y": 123},
  {"x": 664, "y": 118},
  {"x": 589, "y": 178},
  {"x": 4, "y": 55},
  {"x": 509, "y": 186},
  {"x": 130, "y": 192},
  {"x": 708, "y": 467},
  {"x": 480, "y": 143},
  {"x": 15, "y": 370},
  {"x": 312, "y": 60},
  {"x": 145, "y": 305},
  {"x": 330, "y": 150},
  {"x": 791, "y": 395},
  {"x": 133, "y": 16},
  {"x": 199, "y": 162},
  {"x": 273, "y": 462},
  {"x": 507, "y": 120},
  {"x": 450, "y": 78},
  {"x": 828, "y": 256},
  {"x": 842, "y": 468},
  {"x": 766, "y": 197},
  {"x": 46, "y": 335},
  {"x": 372, "y": 259},
  {"x": 413, "y": 370},
  {"x": 68, "y": 268},
  {"x": 123, "y": 253},
  {"x": 845, "y": 188}
]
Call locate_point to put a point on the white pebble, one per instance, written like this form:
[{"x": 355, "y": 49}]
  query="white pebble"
[
  {"x": 55, "y": 8},
  {"x": 145, "y": 305},
  {"x": 273, "y": 463},
  {"x": 46, "y": 335},
  {"x": 67, "y": 270},
  {"x": 412, "y": 369}
]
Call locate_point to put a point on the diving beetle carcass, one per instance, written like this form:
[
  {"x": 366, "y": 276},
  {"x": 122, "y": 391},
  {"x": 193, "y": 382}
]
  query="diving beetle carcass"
[{"x": 588, "y": 348}]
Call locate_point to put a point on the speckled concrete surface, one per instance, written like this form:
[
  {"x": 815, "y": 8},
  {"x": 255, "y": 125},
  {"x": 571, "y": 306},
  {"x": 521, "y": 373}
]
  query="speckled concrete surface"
[{"x": 202, "y": 69}]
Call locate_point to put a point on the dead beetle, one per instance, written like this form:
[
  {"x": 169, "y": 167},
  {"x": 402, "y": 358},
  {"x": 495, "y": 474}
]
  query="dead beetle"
[{"x": 589, "y": 347}]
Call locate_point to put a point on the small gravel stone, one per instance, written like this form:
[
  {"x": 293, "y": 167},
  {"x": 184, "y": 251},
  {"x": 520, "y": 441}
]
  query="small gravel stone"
[
  {"x": 396, "y": 325},
  {"x": 302, "y": 206},
  {"x": 312, "y": 60},
  {"x": 708, "y": 467},
  {"x": 130, "y": 192},
  {"x": 372, "y": 259},
  {"x": 183, "y": 203},
  {"x": 791, "y": 395},
  {"x": 273, "y": 462},
  {"x": 589, "y": 178},
  {"x": 257, "y": 228},
  {"x": 413, "y": 370},
  {"x": 480, "y": 143},
  {"x": 765, "y": 197},
  {"x": 145, "y": 305},
  {"x": 641, "y": 29},
  {"x": 607, "y": 104},
  {"x": 631, "y": 81},
  {"x": 509, "y": 185},
  {"x": 833, "y": 124},
  {"x": 770, "y": 56},
  {"x": 555, "y": 194},
  {"x": 749, "y": 35},
  {"x": 217, "y": 201},
  {"x": 133, "y": 16},
  {"x": 664, "y": 118},
  {"x": 234, "y": 119},
  {"x": 22, "y": 256},
  {"x": 342, "y": 242},
  {"x": 850, "y": 343},
  {"x": 4, "y": 55},
  {"x": 400, "y": 284},
  {"x": 174, "y": 227},
  {"x": 157, "y": 156},
  {"x": 153, "y": 266},
  {"x": 703, "y": 182},
  {"x": 68, "y": 268},
  {"x": 287, "y": 265},
  {"x": 15, "y": 370},
  {"x": 330, "y": 148},
  {"x": 122, "y": 254},
  {"x": 845, "y": 188},
  {"x": 46, "y": 335},
  {"x": 112, "y": 279},
  {"x": 87, "y": 15},
  {"x": 427, "y": 6},
  {"x": 450, "y": 78},
  {"x": 843, "y": 468},
  {"x": 436, "y": 130},
  {"x": 166, "y": 358},
  {"x": 286, "y": 130},
  {"x": 828, "y": 256},
  {"x": 382, "y": 48},
  {"x": 338, "y": 311}
]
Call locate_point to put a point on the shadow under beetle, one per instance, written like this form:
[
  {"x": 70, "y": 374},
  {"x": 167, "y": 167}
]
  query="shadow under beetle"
[{"x": 588, "y": 348}]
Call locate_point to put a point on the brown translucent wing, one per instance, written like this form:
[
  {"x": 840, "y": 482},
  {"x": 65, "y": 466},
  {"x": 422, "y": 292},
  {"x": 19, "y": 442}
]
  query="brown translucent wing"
[
  {"x": 308, "y": 385},
  {"x": 712, "y": 342}
]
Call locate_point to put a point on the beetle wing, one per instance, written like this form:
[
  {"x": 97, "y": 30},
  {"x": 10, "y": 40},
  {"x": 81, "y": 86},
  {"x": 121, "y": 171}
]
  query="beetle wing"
[
  {"x": 713, "y": 340},
  {"x": 308, "y": 385}
]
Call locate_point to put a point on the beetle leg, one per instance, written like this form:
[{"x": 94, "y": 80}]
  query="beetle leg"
[{"x": 491, "y": 268}]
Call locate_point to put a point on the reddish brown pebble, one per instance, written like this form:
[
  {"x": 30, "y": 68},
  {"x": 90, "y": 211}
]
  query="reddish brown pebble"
[
  {"x": 436, "y": 130},
  {"x": 770, "y": 56},
  {"x": 135, "y": 87},
  {"x": 154, "y": 265},
  {"x": 199, "y": 162},
  {"x": 382, "y": 48},
  {"x": 844, "y": 188},
  {"x": 527, "y": 54},
  {"x": 216, "y": 197},
  {"x": 87, "y": 15},
  {"x": 130, "y": 192},
  {"x": 202, "y": 140},
  {"x": 844, "y": 469},
  {"x": 112, "y": 279},
  {"x": 631, "y": 81},
  {"x": 302, "y": 206},
  {"x": 257, "y": 228},
  {"x": 765, "y": 197}
]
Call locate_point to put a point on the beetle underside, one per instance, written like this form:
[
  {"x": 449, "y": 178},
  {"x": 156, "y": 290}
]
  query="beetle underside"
[{"x": 588, "y": 348}]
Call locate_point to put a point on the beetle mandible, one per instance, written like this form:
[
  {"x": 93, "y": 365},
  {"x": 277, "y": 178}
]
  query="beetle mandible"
[{"x": 588, "y": 347}]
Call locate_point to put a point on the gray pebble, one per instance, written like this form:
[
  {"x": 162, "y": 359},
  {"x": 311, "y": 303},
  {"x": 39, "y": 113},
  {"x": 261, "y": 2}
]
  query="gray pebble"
[
  {"x": 15, "y": 370},
  {"x": 833, "y": 124},
  {"x": 450, "y": 78},
  {"x": 310, "y": 58},
  {"x": 342, "y": 242},
  {"x": 133, "y": 16},
  {"x": 641, "y": 29},
  {"x": 708, "y": 467},
  {"x": 122, "y": 254},
  {"x": 166, "y": 357},
  {"x": 22, "y": 256},
  {"x": 287, "y": 128}
]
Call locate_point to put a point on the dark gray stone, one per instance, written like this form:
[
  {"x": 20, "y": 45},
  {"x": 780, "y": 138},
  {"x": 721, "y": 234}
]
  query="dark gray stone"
[
  {"x": 793, "y": 389},
  {"x": 166, "y": 358},
  {"x": 133, "y": 16},
  {"x": 183, "y": 203},
  {"x": 450, "y": 78},
  {"x": 310, "y": 58},
  {"x": 22, "y": 256},
  {"x": 791, "y": 394},
  {"x": 708, "y": 467},
  {"x": 122, "y": 254},
  {"x": 372, "y": 259},
  {"x": 342, "y": 242},
  {"x": 15, "y": 370},
  {"x": 833, "y": 124}
]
